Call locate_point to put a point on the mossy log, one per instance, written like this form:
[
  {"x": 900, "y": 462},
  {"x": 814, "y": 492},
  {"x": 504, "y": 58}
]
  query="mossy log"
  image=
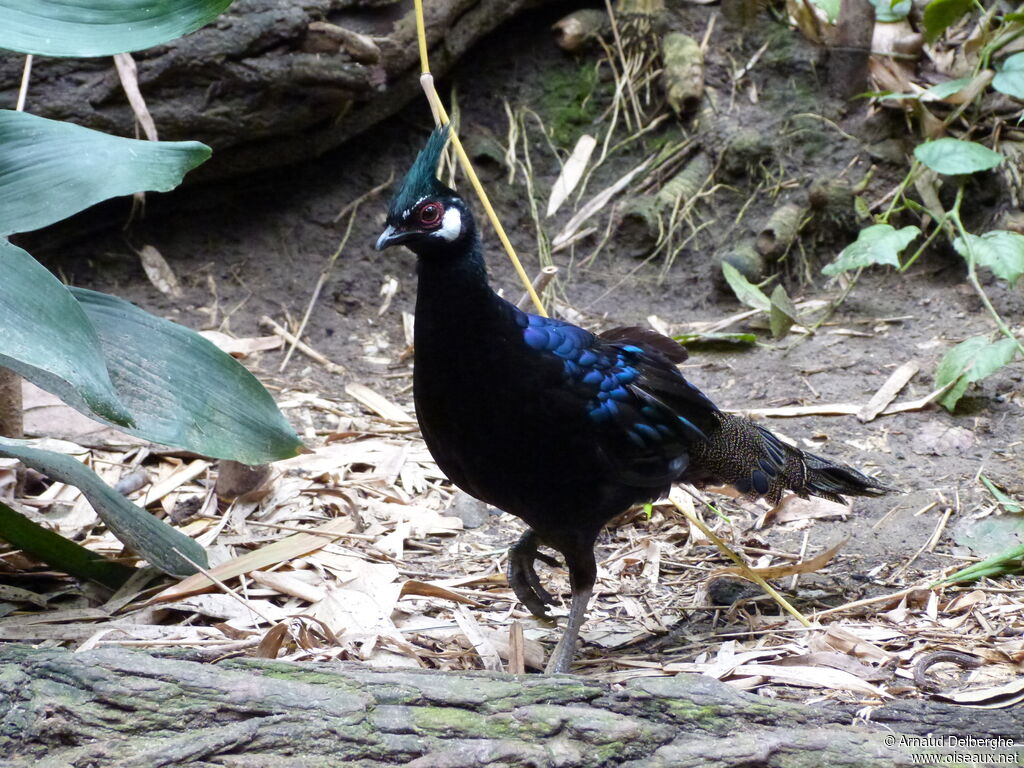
[
  {"x": 268, "y": 83},
  {"x": 115, "y": 707}
]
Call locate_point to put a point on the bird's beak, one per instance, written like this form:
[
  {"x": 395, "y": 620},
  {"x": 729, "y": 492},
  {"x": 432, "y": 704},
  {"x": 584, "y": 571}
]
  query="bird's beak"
[{"x": 389, "y": 237}]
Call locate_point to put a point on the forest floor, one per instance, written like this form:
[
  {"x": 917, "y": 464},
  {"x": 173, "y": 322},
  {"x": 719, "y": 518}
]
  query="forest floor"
[{"x": 255, "y": 248}]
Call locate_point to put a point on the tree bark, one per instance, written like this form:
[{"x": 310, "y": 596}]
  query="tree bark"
[
  {"x": 268, "y": 83},
  {"x": 114, "y": 707}
]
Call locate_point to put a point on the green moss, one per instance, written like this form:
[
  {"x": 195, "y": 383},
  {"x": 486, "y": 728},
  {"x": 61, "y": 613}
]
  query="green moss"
[
  {"x": 452, "y": 722},
  {"x": 567, "y": 103}
]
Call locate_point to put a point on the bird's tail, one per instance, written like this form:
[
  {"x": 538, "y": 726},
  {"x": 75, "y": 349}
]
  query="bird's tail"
[{"x": 756, "y": 462}]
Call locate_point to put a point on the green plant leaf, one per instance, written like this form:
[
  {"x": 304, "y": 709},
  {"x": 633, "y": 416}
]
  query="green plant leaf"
[
  {"x": 999, "y": 250},
  {"x": 60, "y": 553},
  {"x": 954, "y": 156},
  {"x": 47, "y": 338},
  {"x": 745, "y": 291},
  {"x": 940, "y": 14},
  {"x": 50, "y": 169},
  {"x": 830, "y": 7},
  {"x": 182, "y": 390},
  {"x": 782, "y": 314},
  {"x": 877, "y": 244},
  {"x": 1008, "y": 504},
  {"x": 891, "y": 10},
  {"x": 936, "y": 92},
  {"x": 98, "y": 28},
  {"x": 151, "y": 538},
  {"x": 1010, "y": 77},
  {"x": 970, "y": 361}
]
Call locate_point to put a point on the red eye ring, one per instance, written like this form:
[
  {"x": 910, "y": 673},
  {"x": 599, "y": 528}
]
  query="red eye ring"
[{"x": 430, "y": 214}]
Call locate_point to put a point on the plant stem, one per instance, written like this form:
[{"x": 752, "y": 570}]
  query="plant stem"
[
  {"x": 11, "y": 416},
  {"x": 972, "y": 275}
]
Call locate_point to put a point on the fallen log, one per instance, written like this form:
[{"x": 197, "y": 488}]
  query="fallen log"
[
  {"x": 268, "y": 83},
  {"x": 115, "y": 707}
]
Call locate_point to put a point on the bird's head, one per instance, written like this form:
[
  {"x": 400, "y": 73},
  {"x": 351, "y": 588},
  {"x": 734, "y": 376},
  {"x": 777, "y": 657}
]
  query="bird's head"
[{"x": 425, "y": 215}]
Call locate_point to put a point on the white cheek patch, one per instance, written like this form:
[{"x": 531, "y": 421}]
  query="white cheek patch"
[{"x": 451, "y": 225}]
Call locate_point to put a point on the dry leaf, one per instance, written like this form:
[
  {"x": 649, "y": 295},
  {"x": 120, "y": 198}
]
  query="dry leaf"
[
  {"x": 378, "y": 403},
  {"x": 888, "y": 391},
  {"x": 778, "y": 571},
  {"x": 290, "y": 548},
  {"x": 159, "y": 272},
  {"x": 572, "y": 172}
]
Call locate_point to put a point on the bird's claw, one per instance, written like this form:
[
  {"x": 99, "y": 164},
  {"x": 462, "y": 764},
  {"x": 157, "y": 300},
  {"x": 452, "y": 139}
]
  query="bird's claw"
[{"x": 522, "y": 575}]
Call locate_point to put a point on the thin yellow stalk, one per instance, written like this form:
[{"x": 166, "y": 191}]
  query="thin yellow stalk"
[{"x": 441, "y": 118}]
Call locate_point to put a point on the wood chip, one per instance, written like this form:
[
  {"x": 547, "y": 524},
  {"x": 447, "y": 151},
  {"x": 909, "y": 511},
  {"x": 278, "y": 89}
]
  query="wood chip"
[{"x": 378, "y": 403}]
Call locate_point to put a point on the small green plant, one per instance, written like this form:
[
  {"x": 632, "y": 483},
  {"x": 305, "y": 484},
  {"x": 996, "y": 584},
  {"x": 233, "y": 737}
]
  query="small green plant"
[{"x": 103, "y": 356}]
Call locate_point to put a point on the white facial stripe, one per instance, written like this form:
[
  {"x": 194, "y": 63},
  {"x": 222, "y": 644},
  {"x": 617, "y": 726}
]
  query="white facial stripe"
[{"x": 451, "y": 225}]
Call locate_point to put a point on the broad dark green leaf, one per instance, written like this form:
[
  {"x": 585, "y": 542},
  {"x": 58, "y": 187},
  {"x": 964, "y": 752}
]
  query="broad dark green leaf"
[
  {"x": 1000, "y": 251},
  {"x": 60, "y": 553},
  {"x": 183, "y": 391},
  {"x": 99, "y": 28},
  {"x": 1010, "y": 77},
  {"x": 745, "y": 291},
  {"x": 877, "y": 244},
  {"x": 940, "y": 14},
  {"x": 46, "y": 338},
  {"x": 165, "y": 548},
  {"x": 50, "y": 170},
  {"x": 954, "y": 156},
  {"x": 969, "y": 361}
]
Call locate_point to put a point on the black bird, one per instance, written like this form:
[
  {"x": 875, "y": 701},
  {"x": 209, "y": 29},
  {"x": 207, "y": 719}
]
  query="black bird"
[{"x": 563, "y": 428}]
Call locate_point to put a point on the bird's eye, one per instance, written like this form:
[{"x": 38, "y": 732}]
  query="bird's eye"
[{"x": 430, "y": 214}]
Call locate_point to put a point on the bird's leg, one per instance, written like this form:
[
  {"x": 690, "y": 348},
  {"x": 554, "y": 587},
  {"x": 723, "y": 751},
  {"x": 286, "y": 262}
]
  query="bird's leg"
[
  {"x": 522, "y": 576},
  {"x": 582, "y": 575}
]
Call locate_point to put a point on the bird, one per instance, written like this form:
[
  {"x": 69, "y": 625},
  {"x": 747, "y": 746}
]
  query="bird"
[{"x": 561, "y": 427}]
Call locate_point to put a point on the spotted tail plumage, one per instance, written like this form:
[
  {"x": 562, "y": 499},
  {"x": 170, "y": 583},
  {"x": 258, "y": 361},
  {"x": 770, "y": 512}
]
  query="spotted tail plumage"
[{"x": 748, "y": 457}]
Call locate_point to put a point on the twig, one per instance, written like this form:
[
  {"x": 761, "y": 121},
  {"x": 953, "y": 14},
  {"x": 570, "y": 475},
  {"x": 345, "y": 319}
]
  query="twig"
[
  {"x": 352, "y": 207},
  {"x": 302, "y": 346}
]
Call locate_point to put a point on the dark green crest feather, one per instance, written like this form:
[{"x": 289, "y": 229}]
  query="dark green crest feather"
[{"x": 421, "y": 180}]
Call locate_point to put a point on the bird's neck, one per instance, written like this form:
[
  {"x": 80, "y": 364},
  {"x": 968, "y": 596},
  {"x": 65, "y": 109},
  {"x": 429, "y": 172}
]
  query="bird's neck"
[{"x": 453, "y": 287}]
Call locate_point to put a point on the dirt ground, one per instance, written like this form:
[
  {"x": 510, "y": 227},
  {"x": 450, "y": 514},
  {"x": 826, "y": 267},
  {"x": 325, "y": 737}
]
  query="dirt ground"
[{"x": 256, "y": 246}]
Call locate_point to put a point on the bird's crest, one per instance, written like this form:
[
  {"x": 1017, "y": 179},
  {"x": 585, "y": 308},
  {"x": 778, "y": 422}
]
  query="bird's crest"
[{"x": 421, "y": 180}]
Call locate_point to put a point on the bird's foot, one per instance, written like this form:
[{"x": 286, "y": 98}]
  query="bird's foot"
[{"x": 522, "y": 575}]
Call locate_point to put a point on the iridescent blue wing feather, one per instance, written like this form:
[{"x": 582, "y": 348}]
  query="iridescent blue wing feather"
[{"x": 646, "y": 414}]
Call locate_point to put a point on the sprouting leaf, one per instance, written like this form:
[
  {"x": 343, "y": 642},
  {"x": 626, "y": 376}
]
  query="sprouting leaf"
[
  {"x": 891, "y": 10},
  {"x": 1010, "y": 77},
  {"x": 99, "y": 28},
  {"x": 56, "y": 551},
  {"x": 953, "y": 156},
  {"x": 970, "y": 361},
  {"x": 48, "y": 339},
  {"x": 1000, "y": 251},
  {"x": 164, "y": 547},
  {"x": 782, "y": 314},
  {"x": 1005, "y": 501},
  {"x": 50, "y": 169},
  {"x": 940, "y": 14},
  {"x": 877, "y": 244},
  {"x": 936, "y": 92},
  {"x": 745, "y": 291},
  {"x": 183, "y": 391},
  {"x": 715, "y": 339}
]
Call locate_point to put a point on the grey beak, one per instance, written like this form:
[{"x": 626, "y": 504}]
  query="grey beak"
[{"x": 387, "y": 237}]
